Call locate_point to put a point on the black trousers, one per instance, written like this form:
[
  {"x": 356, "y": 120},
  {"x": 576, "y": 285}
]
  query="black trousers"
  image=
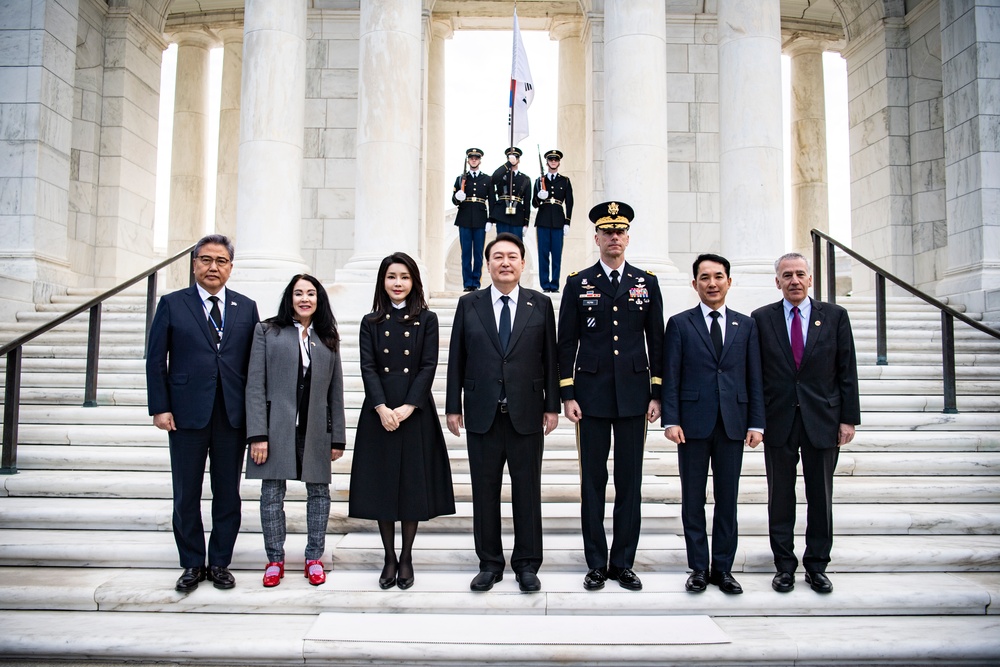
[
  {"x": 780, "y": 460},
  {"x": 225, "y": 447},
  {"x": 523, "y": 455},
  {"x": 593, "y": 435},
  {"x": 726, "y": 459}
]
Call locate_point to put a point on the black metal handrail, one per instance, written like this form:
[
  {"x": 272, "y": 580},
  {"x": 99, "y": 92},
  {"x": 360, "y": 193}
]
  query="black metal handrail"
[
  {"x": 13, "y": 350},
  {"x": 948, "y": 314}
]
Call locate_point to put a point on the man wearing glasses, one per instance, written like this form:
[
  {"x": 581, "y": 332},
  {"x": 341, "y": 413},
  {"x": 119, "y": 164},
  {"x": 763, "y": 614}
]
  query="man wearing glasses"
[
  {"x": 553, "y": 197},
  {"x": 196, "y": 372}
]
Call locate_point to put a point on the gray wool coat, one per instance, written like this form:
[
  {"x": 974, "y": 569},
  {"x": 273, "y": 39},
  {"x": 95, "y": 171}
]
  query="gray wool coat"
[{"x": 270, "y": 404}]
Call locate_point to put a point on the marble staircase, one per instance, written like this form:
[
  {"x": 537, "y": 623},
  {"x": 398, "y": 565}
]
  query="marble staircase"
[{"x": 87, "y": 560}]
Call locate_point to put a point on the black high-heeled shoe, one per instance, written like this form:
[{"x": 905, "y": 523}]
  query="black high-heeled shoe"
[
  {"x": 388, "y": 578},
  {"x": 404, "y": 582}
]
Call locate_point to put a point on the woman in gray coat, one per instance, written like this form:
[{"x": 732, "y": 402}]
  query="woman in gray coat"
[{"x": 295, "y": 418}]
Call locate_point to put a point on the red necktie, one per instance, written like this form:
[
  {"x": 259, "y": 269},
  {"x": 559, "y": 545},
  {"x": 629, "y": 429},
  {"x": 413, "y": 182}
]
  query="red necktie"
[{"x": 798, "y": 345}]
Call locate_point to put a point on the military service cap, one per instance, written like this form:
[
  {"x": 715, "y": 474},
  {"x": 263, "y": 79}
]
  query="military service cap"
[
  {"x": 553, "y": 154},
  {"x": 514, "y": 150},
  {"x": 612, "y": 215},
  {"x": 474, "y": 152}
]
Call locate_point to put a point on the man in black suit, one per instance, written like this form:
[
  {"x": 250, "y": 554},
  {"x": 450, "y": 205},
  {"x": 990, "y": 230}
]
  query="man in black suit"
[
  {"x": 472, "y": 197},
  {"x": 196, "y": 372},
  {"x": 713, "y": 404},
  {"x": 510, "y": 206},
  {"x": 553, "y": 197},
  {"x": 610, "y": 349},
  {"x": 811, "y": 394},
  {"x": 503, "y": 356}
]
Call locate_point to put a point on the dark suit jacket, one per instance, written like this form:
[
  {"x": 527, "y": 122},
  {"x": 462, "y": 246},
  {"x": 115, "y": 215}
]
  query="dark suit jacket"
[
  {"x": 477, "y": 365},
  {"x": 611, "y": 377},
  {"x": 697, "y": 384},
  {"x": 183, "y": 364},
  {"x": 824, "y": 387},
  {"x": 473, "y": 214}
]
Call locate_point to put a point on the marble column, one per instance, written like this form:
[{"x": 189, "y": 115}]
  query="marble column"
[
  {"x": 188, "y": 178},
  {"x": 635, "y": 124},
  {"x": 389, "y": 119},
  {"x": 437, "y": 185},
  {"x": 810, "y": 199},
  {"x": 751, "y": 172},
  {"x": 571, "y": 137},
  {"x": 970, "y": 42},
  {"x": 229, "y": 130},
  {"x": 272, "y": 130}
]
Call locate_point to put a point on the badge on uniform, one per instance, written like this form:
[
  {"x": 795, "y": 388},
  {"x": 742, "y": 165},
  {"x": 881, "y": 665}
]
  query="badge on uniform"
[
  {"x": 638, "y": 292},
  {"x": 591, "y": 322}
]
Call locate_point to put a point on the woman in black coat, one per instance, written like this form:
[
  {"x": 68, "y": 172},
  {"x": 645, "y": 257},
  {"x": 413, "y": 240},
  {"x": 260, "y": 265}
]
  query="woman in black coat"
[{"x": 400, "y": 470}]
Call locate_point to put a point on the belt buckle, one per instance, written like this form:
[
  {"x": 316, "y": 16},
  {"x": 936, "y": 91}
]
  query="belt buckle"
[{"x": 504, "y": 408}]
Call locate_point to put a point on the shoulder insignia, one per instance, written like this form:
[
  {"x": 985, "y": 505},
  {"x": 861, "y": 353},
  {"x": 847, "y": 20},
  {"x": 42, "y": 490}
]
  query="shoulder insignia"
[
  {"x": 650, "y": 273},
  {"x": 573, "y": 274}
]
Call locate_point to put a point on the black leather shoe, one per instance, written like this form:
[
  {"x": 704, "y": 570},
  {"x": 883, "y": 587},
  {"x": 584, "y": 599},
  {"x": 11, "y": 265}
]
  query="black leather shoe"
[
  {"x": 221, "y": 577},
  {"x": 484, "y": 581},
  {"x": 726, "y": 583},
  {"x": 819, "y": 582},
  {"x": 697, "y": 582},
  {"x": 594, "y": 581},
  {"x": 625, "y": 577},
  {"x": 188, "y": 581},
  {"x": 783, "y": 582},
  {"x": 528, "y": 582}
]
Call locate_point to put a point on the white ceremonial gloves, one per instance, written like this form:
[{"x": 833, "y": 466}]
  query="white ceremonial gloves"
[
  {"x": 460, "y": 195},
  {"x": 565, "y": 230},
  {"x": 543, "y": 194},
  {"x": 489, "y": 227}
]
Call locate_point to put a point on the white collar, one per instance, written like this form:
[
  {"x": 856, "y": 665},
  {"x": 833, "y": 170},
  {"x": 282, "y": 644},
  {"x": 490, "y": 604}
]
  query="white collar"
[
  {"x": 495, "y": 294},
  {"x": 705, "y": 310},
  {"x": 608, "y": 269},
  {"x": 204, "y": 294}
]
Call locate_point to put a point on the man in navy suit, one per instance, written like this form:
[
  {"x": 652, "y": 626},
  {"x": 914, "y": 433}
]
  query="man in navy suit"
[
  {"x": 503, "y": 360},
  {"x": 811, "y": 390},
  {"x": 196, "y": 373},
  {"x": 713, "y": 405}
]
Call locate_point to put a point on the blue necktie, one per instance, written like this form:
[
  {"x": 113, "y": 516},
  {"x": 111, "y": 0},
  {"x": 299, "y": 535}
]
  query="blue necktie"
[{"x": 504, "y": 331}]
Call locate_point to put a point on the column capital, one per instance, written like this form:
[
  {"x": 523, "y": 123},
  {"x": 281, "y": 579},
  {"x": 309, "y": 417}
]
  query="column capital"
[
  {"x": 798, "y": 42},
  {"x": 230, "y": 34},
  {"x": 194, "y": 36},
  {"x": 441, "y": 29},
  {"x": 565, "y": 26}
]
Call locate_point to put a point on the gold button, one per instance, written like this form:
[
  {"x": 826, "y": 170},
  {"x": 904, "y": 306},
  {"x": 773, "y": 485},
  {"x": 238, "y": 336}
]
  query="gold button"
[
  {"x": 406, "y": 334},
  {"x": 386, "y": 333},
  {"x": 406, "y": 370},
  {"x": 616, "y": 338},
  {"x": 406, "y": 352},
  {"x": 387, "y": 368},
  {"x": 386, "y": 350},
  {"x": 615, "y": 308},
  {"x": 616, "y": 353},
  {"x": 406, "y": 317},
  {"x": 615, "y": 323}
]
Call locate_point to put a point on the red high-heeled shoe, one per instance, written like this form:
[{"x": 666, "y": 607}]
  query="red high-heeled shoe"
[
  {"x": 273, "y": 574},
  {"x": 315, "y": 573}
]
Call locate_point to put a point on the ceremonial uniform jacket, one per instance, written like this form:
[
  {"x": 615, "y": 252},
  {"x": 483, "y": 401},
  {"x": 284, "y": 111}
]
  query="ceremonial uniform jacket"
[
  {"x": 475, "y": 210},
  {"x": 609, "y": 341},
  {"x": 502, "y": 188},
  {"x": 557, "y": 210}
]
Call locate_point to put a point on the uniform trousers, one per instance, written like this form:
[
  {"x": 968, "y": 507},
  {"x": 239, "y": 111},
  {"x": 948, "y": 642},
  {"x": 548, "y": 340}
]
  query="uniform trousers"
[
  {"x": 550, "y": 242},
  {"x": 523, "y": 455},
  {"x": 780, "y": 460},
  {"x": 516, "y": 230},
  {"x": 225, "y": 447},
  {"x": 472, "y": 242},
  {"x": 594, "y": 442}
]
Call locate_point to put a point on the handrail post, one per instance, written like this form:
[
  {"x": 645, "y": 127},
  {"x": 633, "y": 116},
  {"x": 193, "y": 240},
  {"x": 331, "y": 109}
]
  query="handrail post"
[
  {"x": 11, "y": 408},
  {"x": 150, "y": 309},
  {"x": 831, "y": 272},
  {"x": 93, "y": 352},
  {"x": 948, "y": 365},
  {"x": 817, "y": 268},
  {"x": 882, "y": 352}
]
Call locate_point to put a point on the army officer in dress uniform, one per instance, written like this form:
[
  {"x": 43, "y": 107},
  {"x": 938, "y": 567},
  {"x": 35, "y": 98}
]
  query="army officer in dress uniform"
[
  {"x": 610, "y": 336},
  {"x": 510, "y": 208},
  {"x": 554, "y": 202},
  {"x": 472, "y": 197}
]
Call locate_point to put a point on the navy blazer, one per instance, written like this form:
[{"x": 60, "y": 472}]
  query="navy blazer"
[
  {"x": 824, "y": 387},
  {"x": 477, "y": 365},
  {"x": 698, "y": 385},
  {"x": 184, "y": 365}
]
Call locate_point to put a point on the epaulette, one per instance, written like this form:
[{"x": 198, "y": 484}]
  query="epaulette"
[
  {"x": 650, "y": 272},
  {"x": 573, "y": 274}
]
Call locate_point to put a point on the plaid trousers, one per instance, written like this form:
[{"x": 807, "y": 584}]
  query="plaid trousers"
[{"x": 272, "y": 518}]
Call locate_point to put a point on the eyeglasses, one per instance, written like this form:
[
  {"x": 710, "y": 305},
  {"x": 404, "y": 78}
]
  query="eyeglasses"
[{"x": 206, "y": 260}]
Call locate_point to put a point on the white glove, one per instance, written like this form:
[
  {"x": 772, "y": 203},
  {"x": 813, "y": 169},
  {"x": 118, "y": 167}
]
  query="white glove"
[
  {"x": 543, "y": 194},
  {"x": 565, "y": 230},
  {"x": 460, "y": 195},
  {"x": 489, "y": 227},
  {"x": 524, "y": 230}
]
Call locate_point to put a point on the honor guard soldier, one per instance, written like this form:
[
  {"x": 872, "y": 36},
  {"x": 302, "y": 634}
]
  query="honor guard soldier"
[
  {"x": 553, "y": 197},
  {"x": 510, "y": 208},
  {"x": 610, "y": 337},
  {"x": 472, "y": 197}
]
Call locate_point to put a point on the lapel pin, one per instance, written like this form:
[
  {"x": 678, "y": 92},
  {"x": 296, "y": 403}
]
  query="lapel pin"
[
  {"x": 529, "y": 303},
  {"x": 736, "y": 324},
  {"x": 816, "y": 323},
  {"x": 232, "y": 303}
]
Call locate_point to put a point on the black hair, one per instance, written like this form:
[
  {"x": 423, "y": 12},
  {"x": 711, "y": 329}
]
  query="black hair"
[
  {"x": 217, "y": 239},
  {"x": 504, "y": 236},
  {"x": 415, "y": 301},
  {"x": 709, "y": 257},
  {"x": 323, "y": 321}
]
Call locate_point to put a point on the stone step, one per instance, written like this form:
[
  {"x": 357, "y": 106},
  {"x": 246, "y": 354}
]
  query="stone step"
[
  {"x": 333, "y": 638},
  {"x": 555, "y": 487},
  {"x": 448, "y": 551}
]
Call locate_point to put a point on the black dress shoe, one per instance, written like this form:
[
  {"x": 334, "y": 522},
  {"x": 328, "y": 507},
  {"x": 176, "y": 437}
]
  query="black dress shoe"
[
  {"x": 528, "y": 582},
  {"x": 188, "y": 581},
  {"x": 594, "y": 581},
  {"x": 625, "y": 577},
  {"x": 484, "y": 581},
  {"x": 221, "y": 577},
  {"x": 697, "y": 582},
  {"x": 404, "y": 582},
  {"x": 819, "y": 582},
  {"x": 726, "y": 583},
  {"x": 783, "y": 582}
]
